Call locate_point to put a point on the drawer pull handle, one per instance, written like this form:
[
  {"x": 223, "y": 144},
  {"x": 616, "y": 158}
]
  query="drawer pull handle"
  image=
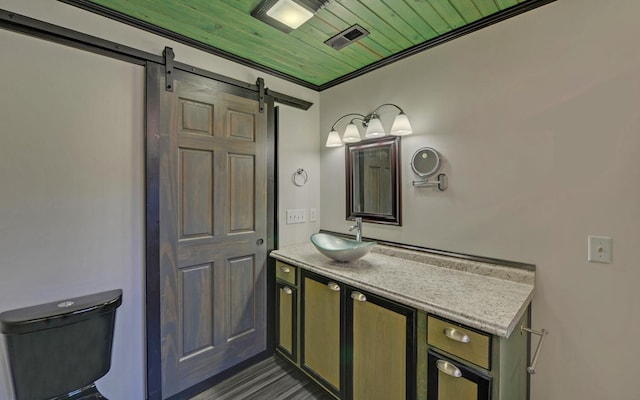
[
  {"x": 358, "y": 296},
  {"x": 333, "y": 286},
  {"x": 448, "y": 368},
  {"x": 458, "y": 336},
  {"x": 286, "y": 270},
  {"x": 287, "y": 290}
]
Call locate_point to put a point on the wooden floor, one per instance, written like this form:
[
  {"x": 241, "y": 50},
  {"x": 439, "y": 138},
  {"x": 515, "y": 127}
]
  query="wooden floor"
[{"x": 271, "y": 379}]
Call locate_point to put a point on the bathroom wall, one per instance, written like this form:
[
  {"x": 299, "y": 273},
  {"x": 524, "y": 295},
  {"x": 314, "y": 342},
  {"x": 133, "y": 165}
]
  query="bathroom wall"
[
  {"x": 537, "y": 120},
  {"x": 298, "y": 148},
  {"x": 71, "y": 169},
  {"x": 299, "y": 130},
  {"x": 72, "y": 198}
]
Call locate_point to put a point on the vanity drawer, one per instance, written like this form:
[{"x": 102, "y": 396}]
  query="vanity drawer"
[
  {"x": 286, "y": 272},
  {"x": 462, "y": 342}
]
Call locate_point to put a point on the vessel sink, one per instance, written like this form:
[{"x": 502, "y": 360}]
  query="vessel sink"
[{"x": 340, "y": 249}]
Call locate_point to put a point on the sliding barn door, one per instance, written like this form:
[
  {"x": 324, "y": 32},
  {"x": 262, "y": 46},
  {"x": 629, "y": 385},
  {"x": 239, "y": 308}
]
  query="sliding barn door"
[{"x": 213, "y": 226}]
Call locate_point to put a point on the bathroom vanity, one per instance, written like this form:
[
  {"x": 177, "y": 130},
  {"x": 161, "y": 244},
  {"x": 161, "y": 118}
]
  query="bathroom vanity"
[{"x": 405, "y": 324}]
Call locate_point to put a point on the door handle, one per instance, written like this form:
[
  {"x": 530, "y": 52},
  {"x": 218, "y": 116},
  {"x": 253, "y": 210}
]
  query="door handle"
[
  {"x": 259, "y": 242},
  {"x": 448, "y": 368},
  {"x": 287, "y": 290},
  {"x": 333, "y": 286}
]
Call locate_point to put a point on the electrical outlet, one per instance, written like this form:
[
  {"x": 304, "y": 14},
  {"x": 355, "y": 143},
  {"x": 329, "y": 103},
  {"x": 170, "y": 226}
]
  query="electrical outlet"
[
  {"x": 312, "y": 214},
  {"x": 600, "y": 249},
  {"x": 296, "y": 216}
]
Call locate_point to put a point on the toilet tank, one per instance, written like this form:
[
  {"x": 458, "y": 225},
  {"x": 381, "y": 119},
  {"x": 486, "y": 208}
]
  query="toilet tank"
[{"x": 57, "y": 348}]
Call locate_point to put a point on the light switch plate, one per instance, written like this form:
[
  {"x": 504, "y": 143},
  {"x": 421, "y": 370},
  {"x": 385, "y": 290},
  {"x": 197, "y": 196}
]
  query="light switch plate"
[
  {"x": 313, "y": 215},
  {"x": 296, "y": 216},
  {"x": 600, "y": 249}
]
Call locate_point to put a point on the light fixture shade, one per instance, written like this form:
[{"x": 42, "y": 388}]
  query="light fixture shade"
[
  {"x": 374, "y": 128},
  {"x": 351, "y": 134},
  {"x": 289, "y": 13},
  {"x": 401, "y": 125},
  {"x": 333, "y": 140}
]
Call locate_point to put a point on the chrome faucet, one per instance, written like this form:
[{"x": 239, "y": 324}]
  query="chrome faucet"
[{"x": 358, "y": 228}]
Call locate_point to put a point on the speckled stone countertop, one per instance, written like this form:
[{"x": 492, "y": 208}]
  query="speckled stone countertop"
[{"x": 488, "y": 297}]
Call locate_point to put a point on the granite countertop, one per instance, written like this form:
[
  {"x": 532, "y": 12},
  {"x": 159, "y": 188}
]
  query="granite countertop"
[{"x": 489, "y": 297}]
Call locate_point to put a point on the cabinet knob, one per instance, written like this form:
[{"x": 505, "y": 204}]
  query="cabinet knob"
[
  {"x": 286, "y": 270},
  {"x": 358, "y": 296},
  {"x": 448, "y": 368},
  {"x": 333, "y": 286},
  {"x": 456, "y": 335},
  {"x": 287, "y": 290}
]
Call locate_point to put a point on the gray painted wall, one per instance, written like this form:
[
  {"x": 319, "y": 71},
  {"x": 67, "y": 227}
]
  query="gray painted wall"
[
  {"x": 537, "y": 119},
  {"x": 71, "y": 169},
  {"x": 72, "y": 198}
]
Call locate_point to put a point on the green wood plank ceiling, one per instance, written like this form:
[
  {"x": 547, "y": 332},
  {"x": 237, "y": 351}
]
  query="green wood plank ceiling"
[{"x": 398, "y": 28}]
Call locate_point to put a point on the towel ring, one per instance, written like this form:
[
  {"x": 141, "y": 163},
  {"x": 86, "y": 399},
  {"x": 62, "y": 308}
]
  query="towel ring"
[{"x": 299, "y": 173}]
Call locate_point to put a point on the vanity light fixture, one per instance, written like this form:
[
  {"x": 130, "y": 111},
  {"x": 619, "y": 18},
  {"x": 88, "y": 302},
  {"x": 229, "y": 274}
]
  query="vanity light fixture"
[
  {"x": 287, "y": 15},
  {"x": 401, "y": 127}
]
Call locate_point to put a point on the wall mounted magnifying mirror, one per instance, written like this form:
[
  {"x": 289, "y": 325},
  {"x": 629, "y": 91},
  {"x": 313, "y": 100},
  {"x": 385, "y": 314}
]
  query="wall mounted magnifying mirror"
[
  {"x": 426, "y": 162},
  {"x": 373, "y": 180}
]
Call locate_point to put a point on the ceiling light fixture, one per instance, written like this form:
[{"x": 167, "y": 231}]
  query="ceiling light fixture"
[
  {"x": 287, "y": 15},
  {"x": 401, "y": 127}
]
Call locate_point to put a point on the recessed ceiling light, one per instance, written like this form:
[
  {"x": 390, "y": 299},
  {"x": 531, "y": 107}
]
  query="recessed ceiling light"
[{"x": 287, "y": 15}]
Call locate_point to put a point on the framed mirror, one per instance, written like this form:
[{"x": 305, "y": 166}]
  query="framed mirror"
[{"x": 373, "y": 180}]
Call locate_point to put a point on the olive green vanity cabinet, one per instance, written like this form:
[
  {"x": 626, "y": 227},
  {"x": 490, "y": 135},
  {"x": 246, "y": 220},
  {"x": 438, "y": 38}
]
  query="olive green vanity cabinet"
[
  {"x": 286, "y": 311},
  {"x": 361, "y": 346},
  {"x": 321, "y": 350},
  {"x": 358, "y": 345},
  {"x": 463, "y": 363},
  {"x": 355, "y": 344},
  {"x": 380, "y": 334}
]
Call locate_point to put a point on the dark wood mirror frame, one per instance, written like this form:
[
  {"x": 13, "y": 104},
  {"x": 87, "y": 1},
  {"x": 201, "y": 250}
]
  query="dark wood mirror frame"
[{"x": 352, "y": 150}]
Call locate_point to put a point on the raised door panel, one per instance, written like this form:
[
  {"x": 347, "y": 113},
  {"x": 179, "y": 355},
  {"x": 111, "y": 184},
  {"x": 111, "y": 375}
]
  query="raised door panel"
[
  {"x": 241, "y": 125},
  {"x": 241, "y": 193},
  {"x": 379, "y": 352},
  {"x": 196, "y": 193},
  {"x": 196, "y": 117},
  {"x": 381, "y": 344},
  {"x": 241, "y": 305},
  {"x": 196, "y": 315},
  {"x": 322, "y": 331},
  {"x": 286, "y": 321},
  {"x": 448, "y": 379},
  {"x": 450, "y": 388}
]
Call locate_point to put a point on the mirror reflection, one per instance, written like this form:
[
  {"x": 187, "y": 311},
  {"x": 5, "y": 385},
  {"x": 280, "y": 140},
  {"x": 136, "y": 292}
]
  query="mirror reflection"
[
  {"x": 373, "y": 176},
  {"x": 425, "y": 162}
]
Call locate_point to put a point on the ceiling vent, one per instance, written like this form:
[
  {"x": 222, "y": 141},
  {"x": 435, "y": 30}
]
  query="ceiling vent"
[{"x": 347, "y": 37}]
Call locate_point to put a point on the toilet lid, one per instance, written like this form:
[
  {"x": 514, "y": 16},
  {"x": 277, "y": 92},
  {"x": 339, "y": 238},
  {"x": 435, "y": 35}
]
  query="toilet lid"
[{"x": 58, "y": 313}]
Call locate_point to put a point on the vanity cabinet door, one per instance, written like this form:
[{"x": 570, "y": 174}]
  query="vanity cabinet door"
[
  {"x": 286, "y": 321},
  {"x": 323, "y": 331},
  {"x": 381, "y": 338},
  {"x": 451, "y": 380}
]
